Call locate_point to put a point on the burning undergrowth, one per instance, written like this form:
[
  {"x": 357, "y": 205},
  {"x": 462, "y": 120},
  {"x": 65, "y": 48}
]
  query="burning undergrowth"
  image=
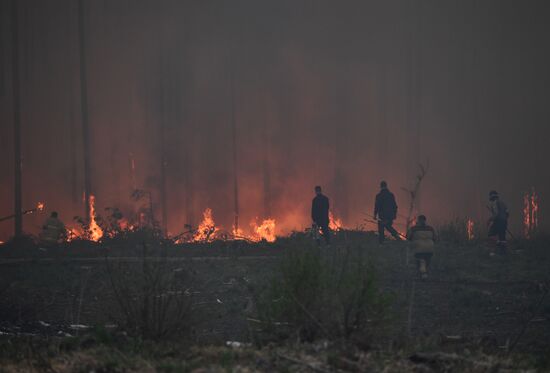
[{"x": 96, "y": 227}]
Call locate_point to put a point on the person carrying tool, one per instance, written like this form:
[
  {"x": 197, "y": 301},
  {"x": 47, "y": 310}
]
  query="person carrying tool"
[
  {"x": 385, "y": 211},
  {"x": 53, "y": 230},
  {"x": 422, "y": 237},
  {"x": 319, "y": 214},
  {"x": 498, "y": 222}
]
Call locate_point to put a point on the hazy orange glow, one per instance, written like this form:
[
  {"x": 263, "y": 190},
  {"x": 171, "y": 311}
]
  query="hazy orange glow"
[
  {"x": 470, "y": 229},
  {"x": 40, "y": 206},
  {"x": 72, "y": 234},
  {"x": 124, "y": 225},
  {"x": 238, "y": 233}
]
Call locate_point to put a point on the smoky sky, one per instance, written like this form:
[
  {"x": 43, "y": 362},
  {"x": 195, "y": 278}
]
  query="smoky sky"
[{"x": 342, "y": 94}]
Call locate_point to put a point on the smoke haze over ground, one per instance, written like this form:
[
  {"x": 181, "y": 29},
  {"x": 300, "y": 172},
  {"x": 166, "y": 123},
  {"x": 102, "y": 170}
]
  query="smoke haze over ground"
[{"x": 340, "y": 94}]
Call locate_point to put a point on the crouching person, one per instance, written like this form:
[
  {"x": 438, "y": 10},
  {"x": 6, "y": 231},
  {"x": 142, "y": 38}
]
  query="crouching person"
[
  {"x": 53, "y": 231},
  {"x": 422, "y": 238}
]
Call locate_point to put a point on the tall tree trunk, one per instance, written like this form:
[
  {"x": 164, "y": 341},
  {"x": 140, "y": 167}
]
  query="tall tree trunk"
[
  {"x": 73, "y": 131},
  {"x": 235, "y": 166},
  {"x": 163, "y": 191},
  {"x": 2, "y": 54},
  {"x": 16, "y": 123},
  {"x": 72, "y": 151},
  {"x": 266, "y": 165},
  {"x": 84, "y": 110},
  {"x": 475, "y": 89},
  {"x": 165, "y": 94}
]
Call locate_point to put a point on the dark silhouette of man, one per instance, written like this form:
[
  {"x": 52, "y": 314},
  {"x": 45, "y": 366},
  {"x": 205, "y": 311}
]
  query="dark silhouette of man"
[
  {"x": 319, "y": 213},
  {"x": 385, "y": 210},
  {"x": 498, "y": 222}
]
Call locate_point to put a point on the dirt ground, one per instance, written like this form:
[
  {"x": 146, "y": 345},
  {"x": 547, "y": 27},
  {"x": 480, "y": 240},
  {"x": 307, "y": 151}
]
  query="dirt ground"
[{"x": 470, "y": 296}]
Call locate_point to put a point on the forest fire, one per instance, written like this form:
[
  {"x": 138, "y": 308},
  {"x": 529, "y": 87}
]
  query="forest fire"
[
  {"x": 124, "y": 225},
  {"x": 72, "y": 234},
  {"x": 265, "y": 231},
  {"x": 530, "y": 213},
  {"x": 95, "y": 230},
  {"x": 207, "y": 228},
  {"x": 208, "y": 231},
  {"x": 470, "y": 226},
  {"x": 334, "y": 224}
]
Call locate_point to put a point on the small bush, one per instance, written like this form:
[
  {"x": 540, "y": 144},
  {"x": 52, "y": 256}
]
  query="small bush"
[
  {"x": 154, "y": 297},
  {"x": 323, "y": 295}
]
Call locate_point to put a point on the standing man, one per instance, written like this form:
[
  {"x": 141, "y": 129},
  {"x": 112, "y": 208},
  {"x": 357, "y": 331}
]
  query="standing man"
[
  {"x": 498, "y": 222},
  {"x": 385, "y": 211},
  {"x": 319, "y": 213}
]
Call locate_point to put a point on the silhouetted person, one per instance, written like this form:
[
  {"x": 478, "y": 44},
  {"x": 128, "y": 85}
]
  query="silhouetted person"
[
  {"x": 385, "y": 210},
  {"x": 423, "y": 238},
  {"x": 498, "y": 222},
  {"x": 53, "y": 230},
  {"x": 319, "y": 213}
]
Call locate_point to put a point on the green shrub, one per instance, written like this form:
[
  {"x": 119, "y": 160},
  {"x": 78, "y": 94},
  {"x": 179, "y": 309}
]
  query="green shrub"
[{"x": 316, "y": 294}]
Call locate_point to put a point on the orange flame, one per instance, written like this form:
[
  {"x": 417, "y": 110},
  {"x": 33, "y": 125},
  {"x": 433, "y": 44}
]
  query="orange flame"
[
  {"x": 265, "y": 231},
  {"x": 95, "y": 230},
  {"x": 470, "y": 229},
  {"x": 534, "y": 210},
  {"x": 72, "y": 234},
  {"x": 40, "y": 206},
  {"x": 124, "y": 225},
  {"x": 530, "y": 213},
  {"x": 334, "y": 224},
  {"x": 207, "y": 228},
  {"x": 238, "y": 234}
]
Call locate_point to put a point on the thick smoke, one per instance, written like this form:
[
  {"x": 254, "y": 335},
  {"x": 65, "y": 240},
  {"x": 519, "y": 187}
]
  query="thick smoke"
[{"x": 337, "y": 94}]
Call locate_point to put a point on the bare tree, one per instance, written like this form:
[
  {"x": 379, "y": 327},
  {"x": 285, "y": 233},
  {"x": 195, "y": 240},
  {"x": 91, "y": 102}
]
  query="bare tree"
[
  {"x": 84, "y": 109},
  {"x": 266, "y": 164},
  {"x": 18, "y": 203},
  {"x": 414, "y": 191},
  {"x": 235, "y": 166}
]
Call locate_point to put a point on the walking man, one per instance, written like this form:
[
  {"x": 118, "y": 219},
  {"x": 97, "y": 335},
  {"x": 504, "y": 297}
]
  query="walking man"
[{"x": 385, "y": 211}]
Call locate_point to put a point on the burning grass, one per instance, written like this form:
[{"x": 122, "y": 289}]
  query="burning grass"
[
  {"x": 530, "y": 213},
  {"x": 461, "y": 231}
]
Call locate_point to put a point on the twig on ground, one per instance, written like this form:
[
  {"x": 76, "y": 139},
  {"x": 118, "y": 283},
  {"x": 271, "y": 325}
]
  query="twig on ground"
[
  {"x": 411, "y": 305},
  {"x": 529, "y": 320},
  {"x": 303, "y": 363},
  {"x": 323, "y": 329}
]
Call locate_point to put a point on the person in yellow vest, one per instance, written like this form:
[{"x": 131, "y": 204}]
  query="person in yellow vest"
[
  {"x": 53, "y": 230},
  {"x": 422, "y": 237}
]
